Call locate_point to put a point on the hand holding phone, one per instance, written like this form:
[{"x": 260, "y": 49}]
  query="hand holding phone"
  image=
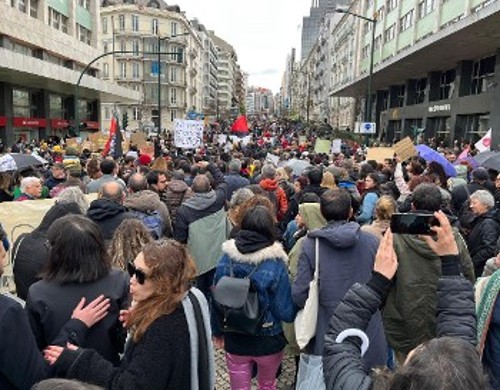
[{"x": 413, "y": 223}]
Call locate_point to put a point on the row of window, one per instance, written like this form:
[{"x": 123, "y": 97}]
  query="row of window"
[
  {"x": 134, "y": 25},
  {"x": 136, "y": 71},
  {"x": 27, "y": 6}
]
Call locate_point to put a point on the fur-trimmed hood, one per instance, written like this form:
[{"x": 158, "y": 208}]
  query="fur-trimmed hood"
[{"x": 274, "y": 251}]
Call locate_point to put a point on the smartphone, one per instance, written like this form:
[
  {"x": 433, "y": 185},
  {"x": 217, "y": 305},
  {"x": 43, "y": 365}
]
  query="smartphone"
[{"x": 412, "y": 223}]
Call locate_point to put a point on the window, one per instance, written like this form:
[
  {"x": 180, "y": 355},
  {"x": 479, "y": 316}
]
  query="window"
[
  {"x": 173, "y": 115},
  {"x": 123, "y": 70},
  {"x": 378, "y": 42},
  {"x": 380, "y": 14},
  {"x": 105, "y": 70},
  {"x": 57, "y": 20},
  {"x": 135, "y": 47},
  {"x": 56, "y": 107},
  {"x": 34, "y": 8},
  {"x": 420, "y": 87},
  {"x": 173, "y": 96},
  {"x": 135, "y": 71},
  {"x": 105, "y": 47},
  {"x": 426, "y": 7},
  {"x": 391, "y": 4},
  {"x": 21, "y": 5},
  {"x": 24, "y": 103},
  {"x": 121, "y": 22},
  {"x": 406, "y": 21},
  {"x": 84, "y": 35},
  {"x": 173, "y": 74},
  {"x": 135, "y": 23},
  {"x": 84, "y": 4},
  {"x": 107, "y": 113},
  {"x": 154, "y": 26},
  {"x": 390, "y": 33},
  {"x": 367, "y": 27},
  {"x": 173, "y": 29},
  {"x": 104, "y": 25},
  {"x": 446, "y": 84},
  {"x": 123, "y": 46},
  {"x": 136, "y": 114},
  {"x": 366, "y": 51},
  {"x": 483, "y": 72}
]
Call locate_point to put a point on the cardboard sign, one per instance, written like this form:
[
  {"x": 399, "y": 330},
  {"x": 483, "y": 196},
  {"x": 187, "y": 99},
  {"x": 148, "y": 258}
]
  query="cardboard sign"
[
  {"x": 380, "y": 154},
  {"x": 322, "y": 146},
  {"x": 138, "y": 139},
  {"x": 148, "y": 149},
  {"x": 405, "y": 149},
  {"x": 188, "y": 134}
]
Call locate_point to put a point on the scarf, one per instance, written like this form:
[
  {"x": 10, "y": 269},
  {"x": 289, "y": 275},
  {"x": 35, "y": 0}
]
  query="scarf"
[
  {"x": 487, "y": 290},
  {"x": 248, "y": 241}
]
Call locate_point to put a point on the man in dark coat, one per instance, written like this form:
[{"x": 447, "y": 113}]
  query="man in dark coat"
[
  {"x": 346, "y": 256},
  {"x": 233, "y": 179},
  {"x": 107, "y": 211}
]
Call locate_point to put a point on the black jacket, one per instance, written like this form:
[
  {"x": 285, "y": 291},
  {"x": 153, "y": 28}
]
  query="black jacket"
[
  {"x": 234, "y": 182},
  {"x": 161, "y": 360},
  {"x": 50, "y": 305},
  {"x": 108, "y": 215},
  {"x": 187, "y": 215},
  {"x": 342, "y": 363},
  {"x": 482, "y": 239}
]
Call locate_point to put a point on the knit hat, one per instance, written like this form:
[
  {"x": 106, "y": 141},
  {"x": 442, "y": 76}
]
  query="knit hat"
[
  {"x": 144, "y": 159},
  {"x": 57, "y": 149}
]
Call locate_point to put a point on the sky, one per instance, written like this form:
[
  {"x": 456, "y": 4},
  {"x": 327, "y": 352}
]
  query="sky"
[{"x": 263, "y": 32}]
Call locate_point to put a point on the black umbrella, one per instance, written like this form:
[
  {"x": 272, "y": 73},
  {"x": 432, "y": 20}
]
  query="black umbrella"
[
  {"x": 16, "y": 161},
  {"x": 492, "y": 162}
]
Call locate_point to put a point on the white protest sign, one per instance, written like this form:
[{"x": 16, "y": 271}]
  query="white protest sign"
[
  {"x": 336, "y": 146},
  {"x": 246, "y": 140},
  {"x": 188, "y": 134},
  {"x": 222, "y": 139}
]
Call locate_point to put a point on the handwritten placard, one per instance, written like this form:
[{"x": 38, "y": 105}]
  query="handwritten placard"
[
  {"x": 380, "y": 154},
  {"x": 188, "y": 134},
  {"x": 322, "y": 146},
  {"x": 405, "y": 149}
]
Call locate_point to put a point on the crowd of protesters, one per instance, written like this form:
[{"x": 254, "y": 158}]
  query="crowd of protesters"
[{"x": 118, "y": 285}]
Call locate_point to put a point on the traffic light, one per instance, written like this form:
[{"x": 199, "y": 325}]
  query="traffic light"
[{"x": 124, "y": 120}]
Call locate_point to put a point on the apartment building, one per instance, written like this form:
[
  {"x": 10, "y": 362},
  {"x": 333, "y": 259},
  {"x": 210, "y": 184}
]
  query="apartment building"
[
  {"x": 44, "y": 46},
  {"x": 437, "y": 68},
  {"x": 166, "y": 81}
]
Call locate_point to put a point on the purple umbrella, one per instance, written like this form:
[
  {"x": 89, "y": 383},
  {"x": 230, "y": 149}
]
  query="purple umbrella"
[
  {"x": 471, "y": 160},
  {"x": 429, "y": 155}
]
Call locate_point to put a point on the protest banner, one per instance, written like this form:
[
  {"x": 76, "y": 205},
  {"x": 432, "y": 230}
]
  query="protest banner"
[
  {"x": 322, "y": 146},
  {"x": 336, "y": 146},
  {"x": 188, "y": 134},
  {"x": 405, "y": 149},
  {"x": 380, "y": 154}
]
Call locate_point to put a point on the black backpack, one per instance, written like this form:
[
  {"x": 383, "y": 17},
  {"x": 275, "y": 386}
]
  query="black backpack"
[{"x": 236, "y": 304}]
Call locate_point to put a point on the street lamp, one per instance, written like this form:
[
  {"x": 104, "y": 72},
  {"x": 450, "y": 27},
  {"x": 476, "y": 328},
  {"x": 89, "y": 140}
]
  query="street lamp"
[
  {"x": 368, "y": 108},
  {"x": 179, "y": 59}
]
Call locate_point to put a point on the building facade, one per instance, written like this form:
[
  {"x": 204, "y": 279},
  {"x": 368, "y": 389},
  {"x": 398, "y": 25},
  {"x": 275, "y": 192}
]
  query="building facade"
[
  {"x": 437, "y": 68},
  {"x": 44, "y": 47},
  {"x": 168, "y": 84}
]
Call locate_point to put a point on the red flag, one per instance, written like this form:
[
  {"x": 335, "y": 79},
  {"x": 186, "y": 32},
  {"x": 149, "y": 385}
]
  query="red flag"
[
  {"x": 113, "y": 128},
  {"x": 240, "y": 125}
]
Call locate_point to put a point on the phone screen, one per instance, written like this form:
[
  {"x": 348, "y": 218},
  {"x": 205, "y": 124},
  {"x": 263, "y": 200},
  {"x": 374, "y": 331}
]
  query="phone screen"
[{"x": 413, "y": 223}]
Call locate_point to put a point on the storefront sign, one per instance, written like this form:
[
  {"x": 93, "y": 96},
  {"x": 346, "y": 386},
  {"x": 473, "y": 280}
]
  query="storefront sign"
[
  {"x": 29, "y": 122},
  {"x": 59, "y": 123},
  {"x": 3, "y": 121},
  {"x": 440, "y": 107},
  {"x": 92, "y": 125}
]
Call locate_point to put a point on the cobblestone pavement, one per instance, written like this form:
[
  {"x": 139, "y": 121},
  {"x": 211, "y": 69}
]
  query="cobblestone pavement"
[{"x": 285, "y": 380}]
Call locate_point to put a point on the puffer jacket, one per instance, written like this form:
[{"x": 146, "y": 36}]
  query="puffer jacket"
[
  {"x": 177, "y": 191},
  {"x": 342, "y": 363},
  {"x": 147, "y": 201},
  {"x": 346, "y": 256},
  {"x": 410, "y": 311},
  {"x": 482, "y": 239}
]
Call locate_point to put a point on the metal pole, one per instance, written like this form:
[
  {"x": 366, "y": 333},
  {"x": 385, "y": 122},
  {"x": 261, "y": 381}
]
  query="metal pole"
[{"x": 159, "y": 86}]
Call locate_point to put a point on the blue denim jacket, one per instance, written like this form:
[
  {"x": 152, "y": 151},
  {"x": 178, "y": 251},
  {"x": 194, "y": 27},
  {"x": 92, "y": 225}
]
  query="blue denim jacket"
[{"x": 270, "y": 279}]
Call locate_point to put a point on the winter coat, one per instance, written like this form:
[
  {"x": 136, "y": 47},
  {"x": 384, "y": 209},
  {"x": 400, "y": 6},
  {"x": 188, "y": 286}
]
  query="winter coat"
[
  {"x": 148, "y": 201},
  {"x": 200, "y": 205},
  {"x": 234, "y": 182},
  {"x": 50, "y": 305},
  {"x": 346, "y": 256},
  {"x": 367, "y": 209},
  {"x": 176, "y": 193},
  {"x": 271, "y": 281},
  {"x": 482, "y": 239},
  {"x": 271, "y": 185},
  {"x": 30, "y": 252},
  {"x": 342, "y": 363},
  {"x": 108, "y": 215},
  {"x": 410, "y": 311}
]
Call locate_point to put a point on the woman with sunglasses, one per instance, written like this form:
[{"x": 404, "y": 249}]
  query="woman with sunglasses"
[
  {"x": 170, "y": 344},
  {"x": 78, "y": 266}
]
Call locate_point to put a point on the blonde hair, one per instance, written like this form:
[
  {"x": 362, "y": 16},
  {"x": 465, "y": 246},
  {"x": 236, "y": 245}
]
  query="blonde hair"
[
  {"x": 128, "y": 240},
  {"x": 328, "y": 181},
  {"x": 159, "y": 164},
  {"x": 386, "y": 206},
  {"x": 282, "y": 173}
]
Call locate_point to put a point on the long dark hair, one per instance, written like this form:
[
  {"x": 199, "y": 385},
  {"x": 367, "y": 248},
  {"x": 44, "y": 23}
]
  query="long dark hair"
[{"x": 77, "y": 251}]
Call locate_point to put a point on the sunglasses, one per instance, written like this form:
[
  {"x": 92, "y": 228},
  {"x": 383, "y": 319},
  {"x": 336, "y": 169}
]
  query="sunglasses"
[{"x": 140, "y": 276}]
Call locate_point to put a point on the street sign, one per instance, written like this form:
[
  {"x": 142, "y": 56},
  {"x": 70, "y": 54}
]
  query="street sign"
[{"x": 367, "y": 128}]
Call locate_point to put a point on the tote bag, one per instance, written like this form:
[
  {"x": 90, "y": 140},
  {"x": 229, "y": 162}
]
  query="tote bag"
[{"x": 307, "y": 318}]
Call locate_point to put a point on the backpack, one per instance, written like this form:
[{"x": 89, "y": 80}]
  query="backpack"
[
  {"x": 153, "y": 222},
  {"x": 236, "y": 304}
]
